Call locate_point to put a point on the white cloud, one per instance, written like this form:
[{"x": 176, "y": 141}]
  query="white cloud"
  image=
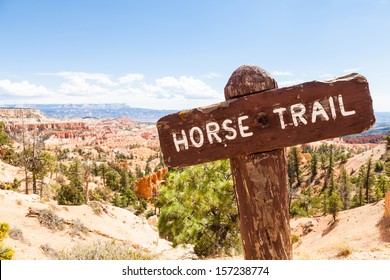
[
  {"x": 167, "y": 92},
  {"x": 185, "y": 86},
  {"x": 352, "y": 70},
  {"x": 281, "y": 73},
  {"x": 21, "y": 89},
  {"x": 212, "y": 75},
  {"x": 95, "y": 77},
  {"x": 130, "y": 78}
]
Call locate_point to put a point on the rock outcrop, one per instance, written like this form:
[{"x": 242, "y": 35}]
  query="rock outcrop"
[
  {"x": 80, "y": 126},
  {"x": 29, "y": 113},
  {"x": 149, "y": 185}
]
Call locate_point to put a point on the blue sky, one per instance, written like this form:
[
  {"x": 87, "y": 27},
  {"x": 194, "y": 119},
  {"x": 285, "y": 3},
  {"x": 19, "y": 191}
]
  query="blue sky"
[{"x": 179, "y": 54}]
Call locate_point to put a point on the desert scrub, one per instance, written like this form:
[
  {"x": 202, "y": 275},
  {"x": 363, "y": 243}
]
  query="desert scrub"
[
  {"x": 16, "y": 234},
  {"x": 49, "y": 251},
  {"x": 343, "y": 250},
  {"x": 49, "y": 219},
  {"x": 77, "y": 227},
  {"x": 294, "y": 238},
  {"x": 100, "y": 250},
  {"x": 96, "y": 207},
  {"x": 6, "y": 253}
]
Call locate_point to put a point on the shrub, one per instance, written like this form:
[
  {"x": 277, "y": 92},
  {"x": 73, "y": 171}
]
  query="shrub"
[
  {"x": 343, "y": 250},
  {"x": 379, "y": 166},
  {"x": 141, "y": 207},
  {"x": 149, "y": 214},
  {"x": 77, "y": 227},
  {"x": 16, "y": 234},
  {"x": 109, "y": 250},
  {"x": 96, "y": 208},
  {"x": 100, "y": 194},
  {"x": 70, "y": 195},
  {"x": 49, "y": 219},
  {"x": 294, "y": 238},
  {"x": 4, "y": 228},
  {"x": 6, "y": 253},
  {"x": 49, "y": 251}
]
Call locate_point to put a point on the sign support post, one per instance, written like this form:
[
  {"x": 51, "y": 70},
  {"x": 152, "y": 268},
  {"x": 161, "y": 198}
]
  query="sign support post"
[{"x": 260, "y": 181}]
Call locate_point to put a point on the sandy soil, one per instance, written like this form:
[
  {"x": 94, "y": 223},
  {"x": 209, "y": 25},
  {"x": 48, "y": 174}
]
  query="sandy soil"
[
  {"x": 115, "y": 224},
  {"x": 359, "y": 233}
]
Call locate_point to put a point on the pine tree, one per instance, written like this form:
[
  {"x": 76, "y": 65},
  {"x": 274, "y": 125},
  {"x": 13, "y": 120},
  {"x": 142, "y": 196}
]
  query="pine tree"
[
  {"x": 313, "y": 165},
  {"x": 334, "y": 204},
  {"x": 368, "y": 180},
  {"x": 344, "y": 188},
  {"x": 198, "y": 207},
  {"x": 73, "y": 193}
]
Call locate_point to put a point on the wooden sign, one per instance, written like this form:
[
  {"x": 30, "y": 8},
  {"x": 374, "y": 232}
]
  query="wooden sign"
[{"x": 274, "y": 119}]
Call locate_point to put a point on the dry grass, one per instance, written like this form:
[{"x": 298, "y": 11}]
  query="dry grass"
[
  {"x": 16, "y": 234},
  {"x": 49, "y": 219},
  {"x": 109, "y": 250},
  {"x": 343, "y": 250}
]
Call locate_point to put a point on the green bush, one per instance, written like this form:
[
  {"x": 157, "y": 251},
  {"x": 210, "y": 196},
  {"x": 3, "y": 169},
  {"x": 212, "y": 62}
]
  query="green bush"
[
  {"x": 4, "y": 228},
  {"x": 6, "y": 253},
  {"x": 70, "y": 195},
  {"x": 198, "y": 207},
  {"x": 294, "y": 238}
]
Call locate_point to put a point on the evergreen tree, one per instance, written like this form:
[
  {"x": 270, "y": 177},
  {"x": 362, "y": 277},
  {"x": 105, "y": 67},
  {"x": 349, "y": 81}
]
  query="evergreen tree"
[
  {"x": 73, "y": 194},
  {"x": 383, "y": 184},
  {"x": 313, "y": 165},
  {"x": 334, "y": 204},
  {"x": 368, "y": 180},
  {"x": 198, "y": 207},
  {"x": 344, "y": 188}
]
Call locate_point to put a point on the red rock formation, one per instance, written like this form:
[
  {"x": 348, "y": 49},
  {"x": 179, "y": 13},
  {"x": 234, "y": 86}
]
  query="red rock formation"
[
  {"x": 80, "y": 126},
  {"x": 146, "y": 135},
  {"x": 149, "y": 185}
]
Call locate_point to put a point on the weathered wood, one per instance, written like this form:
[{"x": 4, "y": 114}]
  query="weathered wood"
[
  {"x": 387, "y": 205},
  {"x": 271, "y": 120},
  {"x": 260, "y": 182}
]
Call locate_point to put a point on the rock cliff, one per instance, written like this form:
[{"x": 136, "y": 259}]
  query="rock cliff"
[
  {"x": 149, "y": 185},
  {"x": 29, "y": 113}
]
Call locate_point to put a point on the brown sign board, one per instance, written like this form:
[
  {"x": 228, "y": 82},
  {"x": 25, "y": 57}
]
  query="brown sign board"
[{"x": 267, "y": 120}]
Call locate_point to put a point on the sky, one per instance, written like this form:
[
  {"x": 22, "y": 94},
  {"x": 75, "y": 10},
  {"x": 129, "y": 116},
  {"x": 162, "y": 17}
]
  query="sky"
[{"x": 177, "y": 55}]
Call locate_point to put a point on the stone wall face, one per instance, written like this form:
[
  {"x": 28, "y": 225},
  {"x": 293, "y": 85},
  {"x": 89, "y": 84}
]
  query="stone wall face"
[{"x": 149, "y": 185}]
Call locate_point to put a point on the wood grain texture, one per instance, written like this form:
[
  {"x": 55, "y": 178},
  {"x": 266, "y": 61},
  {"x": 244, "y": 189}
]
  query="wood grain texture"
[
  {"x": 264, "y": 123},
  {"x": 260, "y": 182}
]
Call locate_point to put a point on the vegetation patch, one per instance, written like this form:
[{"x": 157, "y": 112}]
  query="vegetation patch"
[
  {"x": 16, "y": 234},
  {"x": 6, "y": 252},
  {"x": 343, "y": 250},
  {"x": 198, "y": 207},
  {"x": 47, "y": 218},
  {"x": 108, "y": 250}
]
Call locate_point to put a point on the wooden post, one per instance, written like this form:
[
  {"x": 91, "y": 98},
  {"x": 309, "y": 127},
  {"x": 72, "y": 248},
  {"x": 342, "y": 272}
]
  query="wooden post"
[
  {"x": 260, "y": 181},
  {"x": 387, "y": 205}
]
